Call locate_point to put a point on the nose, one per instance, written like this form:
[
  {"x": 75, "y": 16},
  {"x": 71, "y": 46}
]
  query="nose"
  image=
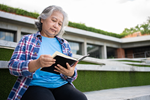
[{"x": 55, "y": 25}]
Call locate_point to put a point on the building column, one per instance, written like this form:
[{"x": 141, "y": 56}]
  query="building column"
[
  {"x": 104, "y": 51},
  {"x": 84, "y": 46},
  {"x": 18, "y": 34}
]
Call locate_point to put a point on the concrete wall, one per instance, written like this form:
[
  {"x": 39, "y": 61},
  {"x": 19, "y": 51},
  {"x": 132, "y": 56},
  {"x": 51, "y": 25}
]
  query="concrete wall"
[{"x": 23, "y": 24}]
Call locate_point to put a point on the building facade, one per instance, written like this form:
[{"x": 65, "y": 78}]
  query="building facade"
[{"x": 13, "y": 27}]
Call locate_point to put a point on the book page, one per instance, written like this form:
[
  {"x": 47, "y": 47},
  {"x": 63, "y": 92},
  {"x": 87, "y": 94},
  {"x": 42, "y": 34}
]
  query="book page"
[{"x": 63, "y": 55}]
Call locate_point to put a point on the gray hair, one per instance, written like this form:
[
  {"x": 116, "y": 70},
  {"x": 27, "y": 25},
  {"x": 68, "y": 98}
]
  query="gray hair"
[{"x": 48, "y": 12}]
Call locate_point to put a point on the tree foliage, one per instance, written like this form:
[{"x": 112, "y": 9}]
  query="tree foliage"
[{"x": 143, "y": 28}]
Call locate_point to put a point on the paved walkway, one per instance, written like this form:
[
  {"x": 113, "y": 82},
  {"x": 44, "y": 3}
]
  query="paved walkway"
[{"x": 126, "y": 93}]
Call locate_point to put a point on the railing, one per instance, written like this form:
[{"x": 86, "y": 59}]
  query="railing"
[
  {"x": 140, "y": 55},
  {"x": 145, "y": 54}
]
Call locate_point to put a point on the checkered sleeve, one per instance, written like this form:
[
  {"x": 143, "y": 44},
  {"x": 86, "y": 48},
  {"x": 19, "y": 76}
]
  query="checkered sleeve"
[{"x": 18, "y": 65}]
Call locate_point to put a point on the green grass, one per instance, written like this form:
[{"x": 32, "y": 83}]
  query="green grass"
[
  {"x": 83, "y": 62},
  {"x": 98, "y": 80},
  {"x": 5, "y": 54},
  {"x": 139, "y": 65},
  {"x": 130, "y": 61},
  {"x": 6, "y": 83},
  {"x": 87, "y": 80},
  {"x": 135, "y": 62}
]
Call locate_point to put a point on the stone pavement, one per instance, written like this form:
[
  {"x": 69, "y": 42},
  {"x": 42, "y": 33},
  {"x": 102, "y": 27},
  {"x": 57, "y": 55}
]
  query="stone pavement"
[{"x": 125, "y": 93}]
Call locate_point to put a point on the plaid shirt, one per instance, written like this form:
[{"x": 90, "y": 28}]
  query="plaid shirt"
[{"x": 27, "y": 50}]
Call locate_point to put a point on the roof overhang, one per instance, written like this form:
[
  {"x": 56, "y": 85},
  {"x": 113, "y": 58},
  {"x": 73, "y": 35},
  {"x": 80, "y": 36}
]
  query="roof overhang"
[{"x": 31, "y": 21}]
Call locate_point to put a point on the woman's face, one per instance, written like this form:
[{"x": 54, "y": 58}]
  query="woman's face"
[{"x": 52, "y": 25}]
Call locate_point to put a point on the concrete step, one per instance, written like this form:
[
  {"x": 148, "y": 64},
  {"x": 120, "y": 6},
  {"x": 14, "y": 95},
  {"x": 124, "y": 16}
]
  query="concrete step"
[{"x": 125, "y": 93}]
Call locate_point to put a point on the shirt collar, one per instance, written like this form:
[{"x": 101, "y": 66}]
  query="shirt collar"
[{"x": 61, "y": 40}]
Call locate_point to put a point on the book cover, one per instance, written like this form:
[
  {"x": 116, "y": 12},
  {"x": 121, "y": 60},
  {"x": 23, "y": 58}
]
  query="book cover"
[{"x": 60, "y": 59}]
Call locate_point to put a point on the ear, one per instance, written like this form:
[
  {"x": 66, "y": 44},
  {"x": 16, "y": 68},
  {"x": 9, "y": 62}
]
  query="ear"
[{"x": 41, "y": 20}]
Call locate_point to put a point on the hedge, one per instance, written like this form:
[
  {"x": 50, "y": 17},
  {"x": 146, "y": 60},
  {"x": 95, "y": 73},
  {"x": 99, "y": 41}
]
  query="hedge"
[
  {"x": 5, "y": 54},
  {"x": 18, "y": 11},
  {"x": 87, "y": 80},
  {"x": 98, "y": 80}
]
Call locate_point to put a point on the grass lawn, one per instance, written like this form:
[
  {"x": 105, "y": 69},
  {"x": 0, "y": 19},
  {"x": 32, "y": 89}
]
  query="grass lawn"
[
  {"x": 83, "y": 62},
  {"x": 130, "y": 61},
  {"x": 135, "y": 62}
]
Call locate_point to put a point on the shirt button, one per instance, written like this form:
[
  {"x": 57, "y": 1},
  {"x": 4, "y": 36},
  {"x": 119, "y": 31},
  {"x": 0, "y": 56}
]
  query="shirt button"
[
  {"x": 35, "y": 53},
  {"x": 38, "y": 43},
  {"x": 19, "y": 97}
]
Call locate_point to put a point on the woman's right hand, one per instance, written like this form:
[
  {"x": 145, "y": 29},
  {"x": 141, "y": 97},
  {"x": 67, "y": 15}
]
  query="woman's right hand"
[
  {"x": 42, "y": 61},
  {"x": 45, "y": 61}
]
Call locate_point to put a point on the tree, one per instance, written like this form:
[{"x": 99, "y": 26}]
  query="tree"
[
  {"x": 137, "y": 28},
  {"x": 143, "y": 28}
]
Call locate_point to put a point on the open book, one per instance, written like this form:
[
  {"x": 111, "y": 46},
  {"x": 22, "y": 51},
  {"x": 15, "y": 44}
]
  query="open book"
[{"x": 62, "y": 60}]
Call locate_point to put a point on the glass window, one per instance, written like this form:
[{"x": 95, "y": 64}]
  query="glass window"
[
  {"x": 138, "y": 52},
  {"x": 22, "y": 34},
  {"x": 8, "y": 36},
  {"x": 111, "y": 52},
  {"x": 75, "y": 47},
  {"x": 94, "y": 51}
]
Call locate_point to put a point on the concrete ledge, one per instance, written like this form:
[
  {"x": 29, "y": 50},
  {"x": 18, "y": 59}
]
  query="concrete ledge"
[
  {"x": 92, "y": 34},
  {"x": 90, "y": 59},
  {"x": 112, "y": 68},
  {"x": 108, "y": 65},
  {"x": 18, "y": 18},
  {"x": 31, "y": 21},
  {"x": 125, "y": 93},
  {"x": 145, "y": 97},
  {"x": 3, "y": 64},
  {"x": 7, "y": 44},
  {"x": 88, "y": 67}
]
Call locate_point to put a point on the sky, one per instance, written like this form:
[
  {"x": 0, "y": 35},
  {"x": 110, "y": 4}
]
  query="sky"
[{"x": 108, "y": 15}]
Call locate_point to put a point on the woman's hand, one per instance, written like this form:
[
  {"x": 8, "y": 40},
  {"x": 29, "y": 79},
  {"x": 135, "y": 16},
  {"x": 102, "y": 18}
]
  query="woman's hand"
[
  {"x": 45, "y": 61},
  {"x": 42, "y": 61},
  {"x": 69, "y": 71}
]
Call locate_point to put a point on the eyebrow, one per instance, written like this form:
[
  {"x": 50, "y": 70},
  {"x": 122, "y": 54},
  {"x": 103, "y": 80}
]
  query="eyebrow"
[{"x": 56, "y": 18}]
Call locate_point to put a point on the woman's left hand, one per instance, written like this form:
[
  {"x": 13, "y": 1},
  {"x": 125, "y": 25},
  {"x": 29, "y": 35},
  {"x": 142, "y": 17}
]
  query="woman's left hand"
[{"x": 69, "y": 71}]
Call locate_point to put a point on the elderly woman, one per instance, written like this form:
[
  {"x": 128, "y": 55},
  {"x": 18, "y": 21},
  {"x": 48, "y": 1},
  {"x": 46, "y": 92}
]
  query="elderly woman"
[{"x": 33, "y": 52}]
